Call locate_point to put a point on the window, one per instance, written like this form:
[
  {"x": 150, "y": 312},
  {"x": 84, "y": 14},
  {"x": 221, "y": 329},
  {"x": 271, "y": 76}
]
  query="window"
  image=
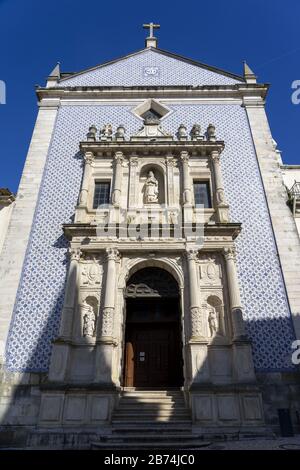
[
  {"x": 202, "y": 193},
  {"x": 101, "y": 194}
]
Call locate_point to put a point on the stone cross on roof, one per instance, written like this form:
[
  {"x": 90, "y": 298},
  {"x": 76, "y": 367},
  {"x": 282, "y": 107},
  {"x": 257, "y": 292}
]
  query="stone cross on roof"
[{"x": 151, "y": 41}]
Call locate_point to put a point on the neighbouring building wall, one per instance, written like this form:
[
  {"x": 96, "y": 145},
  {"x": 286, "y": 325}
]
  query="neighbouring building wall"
[
  {"x": 6, "y": 205},
  {"x": 291, "y": 175}
]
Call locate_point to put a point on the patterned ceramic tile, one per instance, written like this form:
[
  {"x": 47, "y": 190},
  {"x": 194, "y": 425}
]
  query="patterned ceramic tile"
[
  {"x": 148, "y": 68},
  {"x": 40, "y": 297}
]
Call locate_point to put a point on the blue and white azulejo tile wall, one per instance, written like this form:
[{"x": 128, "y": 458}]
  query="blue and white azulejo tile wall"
[{"x": 40, "y": 297}]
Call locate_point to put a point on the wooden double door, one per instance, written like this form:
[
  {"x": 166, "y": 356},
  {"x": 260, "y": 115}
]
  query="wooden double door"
[{"x": 153, "y": 350}]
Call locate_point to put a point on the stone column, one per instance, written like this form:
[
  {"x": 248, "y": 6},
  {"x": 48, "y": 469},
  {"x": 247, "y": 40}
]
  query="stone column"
[
  {"x": 71, "y": 292},
  {"x": 243, "y": 367},
  {"x": 221, "y": 205},
  {"x": 195, "y": 313},
  {"x": 89, "y": 159},
  {"x": 110, "y": 294},
  {"x": 105, "y": 341},
  {"x": 61, "y": 348},
  {"x": 198, "y": 353},
  {"x": 116, "y": 194},
  {"x": 234, "y": 295},
  {"x": 187, "y": 196}
]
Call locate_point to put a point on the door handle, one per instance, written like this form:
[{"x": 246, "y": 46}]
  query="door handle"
[{"x": 142, "y": 356}]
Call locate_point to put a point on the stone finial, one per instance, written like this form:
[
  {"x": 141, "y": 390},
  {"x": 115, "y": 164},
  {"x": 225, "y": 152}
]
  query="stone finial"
[
  {"x": 211, "y": 133},
  {"x": 196, "y": 132},
  {"x": 182, "y": 132},
  {"x": 54, "y": 76},
  {"x": 120, "y": 132},
  {"x": 91, "y": 135},
  {"x": 249, "y": 75},
  {"x": 56, "y": 71}
]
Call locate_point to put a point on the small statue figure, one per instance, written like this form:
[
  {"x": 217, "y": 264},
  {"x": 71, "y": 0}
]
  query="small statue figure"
[
  {"x": 173, "y": 218},
  {"x": 89, "y": 320},
  {"x": 106, "y": 132},
  {"x": 182, "y": 132},
  {"x": 91, "y": 135},
  {"x": 211, "y": 132},
  {"x": 151, "y": 190},
  {"x": 196, "y": 132},
  {"x": 213, "y": 321},
  {"x": 120, "y": 132}
]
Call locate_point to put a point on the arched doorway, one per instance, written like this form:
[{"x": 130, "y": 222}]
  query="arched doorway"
[{"x": 153, "y": 345}]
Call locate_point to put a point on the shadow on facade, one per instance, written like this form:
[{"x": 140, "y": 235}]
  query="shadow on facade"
[{"x": 21, "y": 394}]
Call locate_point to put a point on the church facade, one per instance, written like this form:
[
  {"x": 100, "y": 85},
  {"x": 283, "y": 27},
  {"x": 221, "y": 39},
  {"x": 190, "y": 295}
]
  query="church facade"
[{"x": 150, "y": 251}]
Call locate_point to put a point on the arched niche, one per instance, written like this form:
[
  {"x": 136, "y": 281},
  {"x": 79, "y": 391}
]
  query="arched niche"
[
  {"x": 215, "y": 316},
  {"x": 159, "y": 175}
]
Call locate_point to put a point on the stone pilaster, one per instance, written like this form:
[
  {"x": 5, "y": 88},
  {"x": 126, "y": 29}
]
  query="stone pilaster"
[
  {"x": 116, "y": 194},
  {"x": 220, "y": 203},
  {"x": 170, "y": 164},
  {"x": 133, "y": 170}
]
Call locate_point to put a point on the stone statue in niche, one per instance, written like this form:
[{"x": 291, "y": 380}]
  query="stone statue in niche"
[
  {"x": 213, "y": 320},
  {"x": 89, "y": 319},
  {"x": 151, "y": 189}
]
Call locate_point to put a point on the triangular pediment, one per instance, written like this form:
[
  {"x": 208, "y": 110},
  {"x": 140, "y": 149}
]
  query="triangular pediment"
[{"x": 151, "y": 67}]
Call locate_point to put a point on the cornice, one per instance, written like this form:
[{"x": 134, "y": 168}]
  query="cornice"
[
  {"x": 236, "y": 91},
  {"x": 88, "y": 233},
  {"x": 159, "y": 147}
]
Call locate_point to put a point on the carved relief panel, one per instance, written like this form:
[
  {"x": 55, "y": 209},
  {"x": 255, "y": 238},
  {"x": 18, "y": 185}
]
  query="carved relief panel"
[
  {"x": 89, "y": 298},
  {"x": 213, "y": 296}
]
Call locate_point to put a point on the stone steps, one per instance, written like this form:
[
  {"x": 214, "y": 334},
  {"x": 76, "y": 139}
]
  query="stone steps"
[
  {"x": 171, "y": 444},
  {"x": 150, "y": 419}
]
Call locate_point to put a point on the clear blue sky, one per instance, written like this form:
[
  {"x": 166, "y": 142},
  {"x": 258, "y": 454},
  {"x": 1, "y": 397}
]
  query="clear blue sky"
[{"x": 34, "y": 35}]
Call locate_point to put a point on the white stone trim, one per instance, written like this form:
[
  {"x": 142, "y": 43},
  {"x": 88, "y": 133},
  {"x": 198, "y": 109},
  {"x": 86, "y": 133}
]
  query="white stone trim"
[
  {"x": 284, "y": 227},
  {"x": 18, "y": 233}
]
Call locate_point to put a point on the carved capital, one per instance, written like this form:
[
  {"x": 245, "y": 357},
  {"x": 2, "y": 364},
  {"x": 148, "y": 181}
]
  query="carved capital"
[
  {"x": 184, "y": 155},
  {"x": 192, "y": 255},
  {"x": 134, "y": 161},
  {"x": 75, "y": 254},
  {"x": 112, "y": 254},
  {"x": 215, "y": 156},
  {"x": 229, "y": 254},
  {"x": 89, "y": 158},
  {"x": 170, "y": 161},
  {"x": 119, "y": 158}
]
